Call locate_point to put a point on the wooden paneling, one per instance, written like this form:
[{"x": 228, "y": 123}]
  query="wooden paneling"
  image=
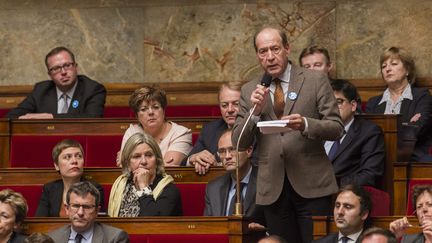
[
  {"x": 234, "y": 227},
  {"x": 22, "y": 176}
]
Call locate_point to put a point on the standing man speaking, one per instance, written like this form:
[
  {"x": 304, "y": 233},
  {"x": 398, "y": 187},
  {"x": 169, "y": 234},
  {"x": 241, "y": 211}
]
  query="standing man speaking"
[{"x": 295, "y": 177}]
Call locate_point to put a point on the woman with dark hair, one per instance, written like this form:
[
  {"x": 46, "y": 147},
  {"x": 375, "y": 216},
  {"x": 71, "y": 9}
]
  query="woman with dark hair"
[
  {"x": 68, "y": 156},
  {"x": 401, "y": 97},
  {"x": 149, "y": 105},
  {"x": 144, "y": 189}
]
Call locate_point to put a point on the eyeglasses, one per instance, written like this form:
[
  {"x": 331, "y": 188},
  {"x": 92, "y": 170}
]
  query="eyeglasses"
[
  {"x": 56, "y": 69},
  {"x": 340, "y": 101},
  {"x": 87, "y": 208},
  {"x": 223, "y": 151},
  {"x": 263, "y": 52}
]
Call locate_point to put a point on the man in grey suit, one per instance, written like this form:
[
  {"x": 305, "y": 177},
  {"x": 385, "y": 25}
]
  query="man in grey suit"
[
  {"x": 220, "y": 192},
  {"x": 81, "y": 207},
  {"x": 295, "y": 177},
  {"x": 351, "y": 212}
]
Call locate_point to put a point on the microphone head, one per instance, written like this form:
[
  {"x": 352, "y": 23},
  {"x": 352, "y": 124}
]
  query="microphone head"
[{"x": 266, "y": 80}]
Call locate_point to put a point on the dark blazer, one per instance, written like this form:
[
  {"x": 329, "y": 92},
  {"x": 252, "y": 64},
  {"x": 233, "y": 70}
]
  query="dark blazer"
[
  {"x": 17, "y": 238},
  {"x": 102, "y": 233},
  {"x": 298, "y": 156},
  {"x": 421, "y": 103},
  {"x": 208, "y": 138},
  {"x": 89, "y": 96},
  {"x": 167, "y": 204},
  {"x": 330, "y": 238},
  {"x": 216, "y": 197},
  {"x": 360, "y": 157},
  {"x": 51, "y": 199},
  {"x": 413, "y": 238}
]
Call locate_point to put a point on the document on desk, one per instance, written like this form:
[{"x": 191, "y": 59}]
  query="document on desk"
[{"x": 276, "y": 126}]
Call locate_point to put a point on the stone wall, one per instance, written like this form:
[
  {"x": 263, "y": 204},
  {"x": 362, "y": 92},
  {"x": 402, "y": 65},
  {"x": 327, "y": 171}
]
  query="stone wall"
[{"x": 202, "y": 40}]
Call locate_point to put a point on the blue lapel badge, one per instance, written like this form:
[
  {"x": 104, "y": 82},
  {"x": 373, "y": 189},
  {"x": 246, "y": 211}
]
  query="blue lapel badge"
[
  {"x": 292, "y": 95},
  {"x": 75, "y": 104}
]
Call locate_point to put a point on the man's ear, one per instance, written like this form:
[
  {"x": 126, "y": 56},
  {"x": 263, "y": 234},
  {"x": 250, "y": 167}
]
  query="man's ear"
[
  {"x": 354, "y": 105},
  {"x": 365, "y": 215},
  {"x": 249, "y": 151}
]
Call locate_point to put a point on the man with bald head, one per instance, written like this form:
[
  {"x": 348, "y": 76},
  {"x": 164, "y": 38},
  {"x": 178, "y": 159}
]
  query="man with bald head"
[{"x": 295, "y": 177}]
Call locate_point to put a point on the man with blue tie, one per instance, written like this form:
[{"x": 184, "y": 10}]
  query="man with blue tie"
[
  {"x": 351, "y": 212},
  {"x": 358, "y": 157},
  {"x": 220, "y": 195}
]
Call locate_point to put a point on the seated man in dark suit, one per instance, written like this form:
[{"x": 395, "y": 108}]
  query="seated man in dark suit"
[
  {"x": 81, "y": 207},
  {"x": 66, "y": 95},
  {"x": 351, "y": 211},
  {"x": 220, "y": 195},
  {"x": 358, "y": 157},
  {"x": 203, "y": 153}
]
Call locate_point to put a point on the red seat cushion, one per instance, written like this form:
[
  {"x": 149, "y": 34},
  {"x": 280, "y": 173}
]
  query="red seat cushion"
[
  {"x": 380, "y": 201},
  {"x": 138, "y": 238},
  {"x": 36, "y": 151},
  {"x": 101, "y": 151},
  {"x": 192, "y": 196},
  {"x": 118, "y": 111},
  {"x": 31, "y": 193},
  {"x": 199, "y": 238},
  {"x": 3, "y": 112},
  {"x": 193, "y": 111},
  {"x": 107, "y": 191},
  {"x": 411, "y": 184}
]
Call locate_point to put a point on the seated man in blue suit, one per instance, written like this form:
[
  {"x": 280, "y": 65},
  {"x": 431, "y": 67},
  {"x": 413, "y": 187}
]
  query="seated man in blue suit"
[
  {"x": 220, "y": 195},
  {"x": 82, "y": 208},
  {"x": 203, "y": 153},
  {"x": 351, "y": 212},
  {"x": 358, "y": 157},
  {"x": 66, "y": 95}
]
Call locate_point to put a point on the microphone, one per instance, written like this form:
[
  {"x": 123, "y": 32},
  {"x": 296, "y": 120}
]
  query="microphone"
[{"x": 265, "y": 81}]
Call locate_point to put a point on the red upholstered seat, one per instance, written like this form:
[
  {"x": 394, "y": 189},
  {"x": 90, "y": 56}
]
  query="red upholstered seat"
[
  {"x": 101, "y": 151},
  {"x": 177, "y": 238},
  {"x": 118, "y": 111},
  {"x": 35, "y": 151},
  {"x": 193, "y": 111},
  {"x": 3, "y": 112},
  {"x": 192, "y": 196},
  {"x": 380, "y": 201},
  {"x": 107, "y": 190},
  {"x": 138, "y": 238},
  {"x": 411, "y": 184},
  {"x": 31, "y": 193}
]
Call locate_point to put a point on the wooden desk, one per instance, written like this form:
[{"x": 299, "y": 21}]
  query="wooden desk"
[
  {"x": 234, "y": 227},
  {"x": 21, "y": 176}
]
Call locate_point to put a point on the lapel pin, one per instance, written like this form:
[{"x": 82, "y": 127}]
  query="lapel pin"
[
  {"x": 292, "y": 95},
  {"x": 75, "y": 104}
]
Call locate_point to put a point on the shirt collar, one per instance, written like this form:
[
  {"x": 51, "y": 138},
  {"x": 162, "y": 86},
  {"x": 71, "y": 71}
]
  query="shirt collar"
[
  {"x": 285, "y": 76},
  {"x": 69, "y": 92},
  {"x": 86, "y": 234},
  {"x": 352, "y": 237},
  {"x": 244, "y": 180},
  {"x": 406, "y": 94}
]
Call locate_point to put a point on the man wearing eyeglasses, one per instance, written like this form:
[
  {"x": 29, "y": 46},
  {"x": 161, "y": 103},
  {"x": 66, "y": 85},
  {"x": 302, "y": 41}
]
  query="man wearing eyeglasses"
[
  {"x": 358, "y": 157},
  {"x": 66, "y": 95},
  {"x": 220, "y": 195},
  {"x": 81, "y": 207}
]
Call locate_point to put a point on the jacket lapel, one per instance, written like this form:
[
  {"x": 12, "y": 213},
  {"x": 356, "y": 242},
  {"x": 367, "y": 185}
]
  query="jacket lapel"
[
  {"x": 98, "y": 235},
  {"x": 250, "y": 192},
  {"x": 351, "y": 134},
  {"x": 223, "y": 194},
  {"x": 295, "y": 84}
]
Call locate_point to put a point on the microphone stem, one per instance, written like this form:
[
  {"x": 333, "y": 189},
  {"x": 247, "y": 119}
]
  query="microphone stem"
[{"x": 238, "y": 206}]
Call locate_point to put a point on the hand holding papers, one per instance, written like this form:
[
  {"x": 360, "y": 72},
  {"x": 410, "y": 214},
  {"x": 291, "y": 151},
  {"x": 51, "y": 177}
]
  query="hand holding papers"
[{"x": 276, "y": 126}]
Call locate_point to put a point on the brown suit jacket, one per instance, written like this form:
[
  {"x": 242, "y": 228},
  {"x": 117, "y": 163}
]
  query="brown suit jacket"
[{"x": 299, "y": 155}]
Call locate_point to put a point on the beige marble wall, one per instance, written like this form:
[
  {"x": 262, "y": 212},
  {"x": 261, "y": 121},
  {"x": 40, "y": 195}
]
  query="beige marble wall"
[{"x": 196, "y": 40}]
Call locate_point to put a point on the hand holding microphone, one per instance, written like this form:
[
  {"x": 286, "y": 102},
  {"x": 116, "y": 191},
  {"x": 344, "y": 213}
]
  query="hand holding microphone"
[{"x": 259, "y": 95}]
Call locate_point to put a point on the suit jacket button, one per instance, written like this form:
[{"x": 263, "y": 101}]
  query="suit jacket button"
[
  {"x": 281, "y": 155},
  {"x": 282, "y": 133}
]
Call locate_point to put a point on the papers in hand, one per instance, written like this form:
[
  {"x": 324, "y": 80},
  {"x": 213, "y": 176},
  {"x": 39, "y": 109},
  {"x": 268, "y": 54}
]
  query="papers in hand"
[{"x": 276, "y": 126}]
